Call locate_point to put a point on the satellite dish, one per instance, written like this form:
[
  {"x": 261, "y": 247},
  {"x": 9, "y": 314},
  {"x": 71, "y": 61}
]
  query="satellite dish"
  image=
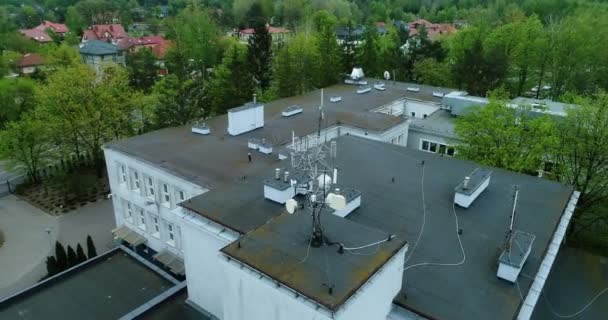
[
  {"x": 387, "y": 75},
  {"x": 336, "y": 201},
  {"x": 291, "y": 205}
]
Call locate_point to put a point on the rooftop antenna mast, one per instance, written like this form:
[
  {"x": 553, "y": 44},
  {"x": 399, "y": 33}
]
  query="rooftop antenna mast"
[
  {"x": 509, "y": 237},
  {"x": 316, "y": 162}
]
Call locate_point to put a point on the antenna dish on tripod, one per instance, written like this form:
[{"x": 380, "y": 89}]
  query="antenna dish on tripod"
[{"x": 291, "y": 205}]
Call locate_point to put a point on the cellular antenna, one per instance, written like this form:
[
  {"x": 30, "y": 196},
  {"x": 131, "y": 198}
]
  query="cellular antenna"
[{"x": 509, "y": 237}]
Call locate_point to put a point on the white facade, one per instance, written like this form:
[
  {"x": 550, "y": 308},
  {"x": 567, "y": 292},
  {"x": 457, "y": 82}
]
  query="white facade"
[
  {"x": 144, "y": 197},
  {"x": 241, "y": 120},
  {"x": 277, "y": 195},
  {"x": 409, "y": 107},
  {"x": 249, "y": 295}
]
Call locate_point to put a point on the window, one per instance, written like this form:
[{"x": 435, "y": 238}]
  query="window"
[
  {"x": 413, "y": 114},
  {"x": 128, "y": 212},
  {"x": 122, "y": 171},
  {"x": 135, "y": 181},
  {"x": 155, "y": 227},
  {"x": 141, "y": 219},
  {"x": 170, "y": 235},
  {"x": 436, "y": 147},
  {"x": 181, "y": 195},
  {"x": 150, "y": 188},
  {"x": 166, "y": 196}
]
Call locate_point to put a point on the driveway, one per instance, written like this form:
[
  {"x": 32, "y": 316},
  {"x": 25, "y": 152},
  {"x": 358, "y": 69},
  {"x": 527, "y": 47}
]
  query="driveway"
[{"x": 27, "y": 243}]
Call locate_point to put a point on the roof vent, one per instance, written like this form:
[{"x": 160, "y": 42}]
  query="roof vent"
[
  {"x": 353, "y": 201},
  {"x": 364, "y": 89},
  {"x": 335, "y": 99},
  {"x": 438, "y": 94},
  {"x": 413, "y": 89},
  {"x": 292, "y": 110},
  {"x": 253, "y": 143},
  {"x": 380, "y": 86},
  {"x": 512, "y": 259},
  {"x": 279, "y": 189},
  {"x": 245, "y": 118},
  {"x": 265, "y": 147},
  {"x": 471, "y": 187},
  {"x": 201, "y": 129}
]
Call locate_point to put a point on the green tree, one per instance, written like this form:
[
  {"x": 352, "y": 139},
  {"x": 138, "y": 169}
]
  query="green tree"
[
  {"x": 85, "y": 111},
  {"x": 180, "y": 101},
  {"x": 61, "y": 256},
  {"x": 296, "y": 67},
  {"x": 368, "y": 55},
  {"x": 26, "y": 143},
  {"x": 259, "y": 54},
  {"x": 91, "y": 251},
  {"x": 62, "y": 56},
  {"x": 330, "y": 66},
  {"x": 143, "y": 70},
  {"x": 582, "y": 159},
  {"x": 505, "y": 137},
  {"x": 72, "y": 258},
  {"x": 16, "y": 98},
  {"x": 431, "y": 72},
  {"x": 74, "y": 20},
  {"x": 81, "y": 256},
  {"x": 229, "y": 86}
]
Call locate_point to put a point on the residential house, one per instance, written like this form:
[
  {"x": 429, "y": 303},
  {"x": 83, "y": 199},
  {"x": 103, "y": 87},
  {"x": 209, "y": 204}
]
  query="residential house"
[
  {"x": 158, "y": 44},
  {"x": 279, "y": 35},
  {"x": 29, "y": 63},
  {"x": 97, "y": 53},
  {"x": 39, "y": 33},
  {"x": 434, "y": 30},
  {"x": 113, "y": 33}
]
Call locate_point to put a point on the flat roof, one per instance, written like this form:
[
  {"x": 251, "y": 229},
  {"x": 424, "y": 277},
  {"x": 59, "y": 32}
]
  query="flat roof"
[
  {"x": 281, "y": 250},
  {"x": 106, "y": 288},
  {"x": 440, "y": 122},
  {"x": 553, "y": 107},
  {"x": 470, "y": 290},
  {"x": 174, "y": 307},
  {"x": 218, "y": 158}
]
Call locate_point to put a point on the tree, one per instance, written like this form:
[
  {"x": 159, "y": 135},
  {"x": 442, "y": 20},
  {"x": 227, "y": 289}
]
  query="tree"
[
  {"x": 91, "y": 251},
  {"x": 74, "y": 20},
  {"x": 582, "y": 159},
  {"x": 368, "y": 55},
  {"x": 51, "y": 266},
  {"x": 26, "y": 144},
  {"x": 349, "y": 47},
  {"x": 81, "y": 256},
  {"x": 84, "y": 111},
  {"x": 229, "y": 86},
  {"x": 296, "y": 67},
  {"x": 180, "y": 101},
  {"x": 16, "y": 98},
  {"x": 330, "y": 66},
  {"x": 143, "y": 70},
  {"x": 505, "y": 137},
  {"x": 72, "y": 258},
  {"x": 62, "y": 56},
  {"x": 431, "y": 72},
  {"x": 61, "y": 256},
  {"x": 259, "y": 54}
]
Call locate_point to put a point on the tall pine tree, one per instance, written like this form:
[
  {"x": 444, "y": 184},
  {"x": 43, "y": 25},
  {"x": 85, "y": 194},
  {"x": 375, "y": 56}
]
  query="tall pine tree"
[
  {"x": 259, "y": 53},
  {"x": 330, "y": 62},
  {"x": 229, "y": 86}
]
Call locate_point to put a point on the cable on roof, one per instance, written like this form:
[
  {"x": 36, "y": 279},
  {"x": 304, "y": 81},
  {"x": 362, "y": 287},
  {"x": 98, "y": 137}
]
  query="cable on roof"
[
  {"x": 576, "y": 313},
  {"x": 371, "y": 244},
  {"x": 423, "y": 217}
]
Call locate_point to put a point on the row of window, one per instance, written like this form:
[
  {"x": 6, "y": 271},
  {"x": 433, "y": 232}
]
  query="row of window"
[
  {"x": 132, "y": 177},
  {"x": 150, "y": 223},
  {"x": 436, "y": 147}
]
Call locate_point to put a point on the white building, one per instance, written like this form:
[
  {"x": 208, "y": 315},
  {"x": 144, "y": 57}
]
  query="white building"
[{"x": 194, "y": 201}]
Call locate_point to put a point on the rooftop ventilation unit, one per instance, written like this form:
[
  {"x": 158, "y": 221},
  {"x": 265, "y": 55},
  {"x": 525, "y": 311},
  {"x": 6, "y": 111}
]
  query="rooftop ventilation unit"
[
  {"x": 353, "y": 201},
  {"x": 438, "y": 94},
  {"x": 247, "y": 117},
  {"x": 380, "y": 86},
  {"x": 201, "y": 129},
  {"x": 253, "y": 143},
  {"x": 279, "y": 189},
  {"x": 292, "y": 110},
  {"x": 356, "y": 77},
  {"x": 413, "y": 89},
  {"x": 335, "y": 99},
  {"x": 284, "y": 153},
  {"x": 471, "y": 187},
  {"x": 512, "y": 259},
  {"x": 265, "y": 147},
  {"x": 363, "y": 89}
]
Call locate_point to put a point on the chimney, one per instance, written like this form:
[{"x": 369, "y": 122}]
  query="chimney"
[
  {"x": 277, "y": 174},
  {"x": 255, "y": 100},
  {"x": 286, "y": 176}
]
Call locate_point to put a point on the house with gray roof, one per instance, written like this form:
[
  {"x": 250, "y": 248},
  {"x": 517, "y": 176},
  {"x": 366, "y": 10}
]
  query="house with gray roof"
[{"x": 96, "y": 54}]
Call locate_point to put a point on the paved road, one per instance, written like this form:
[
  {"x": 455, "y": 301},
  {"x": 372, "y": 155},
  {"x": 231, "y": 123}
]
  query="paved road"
[{"x": 28, "y": 244}]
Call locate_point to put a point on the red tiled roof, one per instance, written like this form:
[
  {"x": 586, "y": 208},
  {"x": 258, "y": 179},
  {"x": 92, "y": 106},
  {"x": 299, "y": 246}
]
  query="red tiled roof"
[
  {"x": 105, "y": 31},
  {"x": 270, "y": 30},
  {"x": 157, "y": 44},
  {"x": 36, "y": 35},
  {"x": 29, "y": 60},
  {"x": 433, "y": 29},
  {"x": 57, "y": 27}
]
